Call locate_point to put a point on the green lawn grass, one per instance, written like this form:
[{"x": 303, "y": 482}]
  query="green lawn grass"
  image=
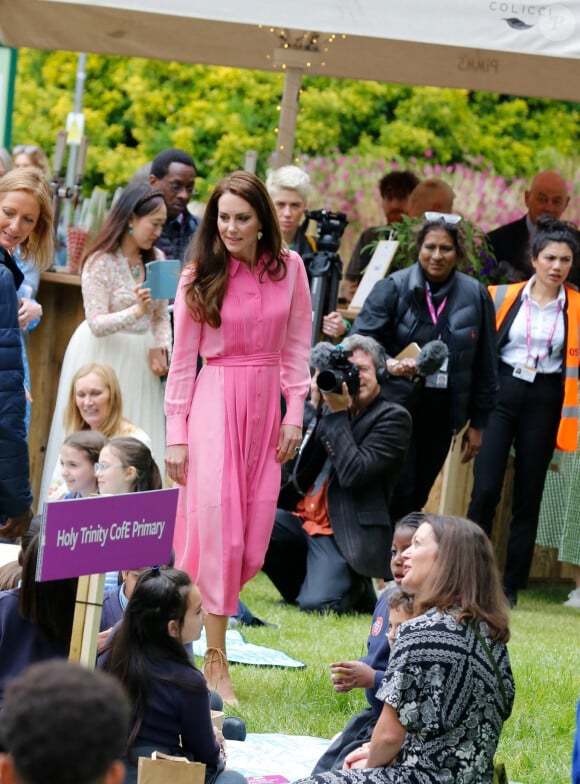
[{"x": 536, "y": 741}]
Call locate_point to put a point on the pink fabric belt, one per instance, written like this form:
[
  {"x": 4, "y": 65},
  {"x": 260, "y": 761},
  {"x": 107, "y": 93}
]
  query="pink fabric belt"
[{"x": 242, "y": 360}]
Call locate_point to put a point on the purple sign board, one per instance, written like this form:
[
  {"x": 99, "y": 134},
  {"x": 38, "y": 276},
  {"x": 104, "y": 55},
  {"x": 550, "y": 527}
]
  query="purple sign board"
[{"x": 106, "y": 533}]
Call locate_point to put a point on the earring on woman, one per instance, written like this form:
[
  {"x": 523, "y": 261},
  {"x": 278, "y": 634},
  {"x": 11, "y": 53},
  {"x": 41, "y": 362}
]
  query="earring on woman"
[
  {"x": 260, "y": 234},
  {"x": 130, "y": 230}
]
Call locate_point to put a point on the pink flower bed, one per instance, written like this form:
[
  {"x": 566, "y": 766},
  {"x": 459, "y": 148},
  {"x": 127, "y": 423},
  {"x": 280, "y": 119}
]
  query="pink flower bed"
[{"x": 350, "y": 184}]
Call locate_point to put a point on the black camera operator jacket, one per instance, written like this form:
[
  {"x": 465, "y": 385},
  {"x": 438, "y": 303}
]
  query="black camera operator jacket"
[
  {"x": 395, "y": 314},
  {"x": 366, "y": 455}
]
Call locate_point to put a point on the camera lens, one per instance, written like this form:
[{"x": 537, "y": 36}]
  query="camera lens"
[{"x": 329, "y": 381}]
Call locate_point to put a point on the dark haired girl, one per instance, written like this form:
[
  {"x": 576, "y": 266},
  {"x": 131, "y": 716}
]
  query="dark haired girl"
[
  {"x": 35, "y": 619},
  {"x": 126, "y": 465},
  {"x": 169, "y": 696}
]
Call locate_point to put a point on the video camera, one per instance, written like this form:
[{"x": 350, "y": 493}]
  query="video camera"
[
  {"x": 325, "y": 267},
  {"x": 330, "y": 226}
]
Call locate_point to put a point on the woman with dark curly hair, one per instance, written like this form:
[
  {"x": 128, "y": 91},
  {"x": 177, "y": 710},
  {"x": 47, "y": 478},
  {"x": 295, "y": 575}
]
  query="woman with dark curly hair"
[{"x": 537, "y": 334}]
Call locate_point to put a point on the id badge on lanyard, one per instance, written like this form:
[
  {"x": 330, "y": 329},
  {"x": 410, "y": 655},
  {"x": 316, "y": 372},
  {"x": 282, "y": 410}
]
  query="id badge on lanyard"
[
  {"x": 440, "y": 379},
  {"x": 526, "y": 371}
]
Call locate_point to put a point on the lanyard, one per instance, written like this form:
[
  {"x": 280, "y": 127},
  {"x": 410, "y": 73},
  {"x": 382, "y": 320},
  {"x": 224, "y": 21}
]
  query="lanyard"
[
  {"x": 548, "y": 351},
  {"x": 431, "y": 307}
]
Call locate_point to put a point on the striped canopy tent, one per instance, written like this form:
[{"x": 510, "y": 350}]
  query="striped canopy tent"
[{"x": 518, "y": 48}]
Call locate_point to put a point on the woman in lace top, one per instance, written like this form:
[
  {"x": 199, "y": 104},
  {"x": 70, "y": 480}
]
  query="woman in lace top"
[{"x": 124, "y": 327}]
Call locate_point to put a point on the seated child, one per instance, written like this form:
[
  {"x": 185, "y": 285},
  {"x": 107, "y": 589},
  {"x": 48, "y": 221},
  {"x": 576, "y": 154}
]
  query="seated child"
[
  {"x": 169, "y": 695},
  {"x": 369, "y": 671},
  {"x": 114, "y": 604},
  {"x": 78, "y": 455}
]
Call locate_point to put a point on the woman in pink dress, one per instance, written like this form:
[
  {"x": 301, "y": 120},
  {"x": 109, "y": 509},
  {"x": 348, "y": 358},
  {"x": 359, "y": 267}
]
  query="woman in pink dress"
[{"x": 244, "y": 306}]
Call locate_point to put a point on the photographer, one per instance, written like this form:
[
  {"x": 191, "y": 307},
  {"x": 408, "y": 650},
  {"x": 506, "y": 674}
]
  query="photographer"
[{"x": 323, "y": 553}]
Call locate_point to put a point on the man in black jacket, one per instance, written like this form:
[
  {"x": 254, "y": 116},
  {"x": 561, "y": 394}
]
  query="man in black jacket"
[{"x": 322, "y": 555}]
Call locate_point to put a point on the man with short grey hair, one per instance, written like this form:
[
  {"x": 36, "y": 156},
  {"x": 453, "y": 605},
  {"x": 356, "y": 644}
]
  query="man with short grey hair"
[{"x": 326, "y": 547}]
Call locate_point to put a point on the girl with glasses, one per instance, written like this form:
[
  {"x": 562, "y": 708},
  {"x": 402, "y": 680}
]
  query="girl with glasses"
[{"x": 126, "y": 465}]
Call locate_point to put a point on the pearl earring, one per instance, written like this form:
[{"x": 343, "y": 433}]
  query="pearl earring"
[
  {"x": 130, "y": 232},
  {"x": 260, "y": 235}
]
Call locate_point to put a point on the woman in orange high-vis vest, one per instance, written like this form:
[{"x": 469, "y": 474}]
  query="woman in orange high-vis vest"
[{"x": 537, "y": 324}]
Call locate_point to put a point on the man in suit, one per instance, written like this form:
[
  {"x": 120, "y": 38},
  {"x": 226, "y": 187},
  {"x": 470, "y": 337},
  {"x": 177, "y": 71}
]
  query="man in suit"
[
  {"x": 323, "y": 553},
  {"x": 548, "y": 195}
]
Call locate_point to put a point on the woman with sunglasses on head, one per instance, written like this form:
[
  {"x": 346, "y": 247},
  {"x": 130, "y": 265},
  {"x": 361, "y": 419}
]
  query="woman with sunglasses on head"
[
  {"x": 433, "y": 300},
  {"x": 123, "y": 326},
  {"x": 537, "y": 335}
]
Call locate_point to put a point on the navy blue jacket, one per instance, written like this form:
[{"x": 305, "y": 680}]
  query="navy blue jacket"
[
  {"x": 15, "y": 492},
  {"x": 176, "y": 235},
  {"x": 378, "y": 648}
]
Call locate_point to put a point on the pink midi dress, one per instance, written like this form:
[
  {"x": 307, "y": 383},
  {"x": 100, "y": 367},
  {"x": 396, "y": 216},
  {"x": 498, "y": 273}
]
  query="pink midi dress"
[{"x": 229, "y": 416}]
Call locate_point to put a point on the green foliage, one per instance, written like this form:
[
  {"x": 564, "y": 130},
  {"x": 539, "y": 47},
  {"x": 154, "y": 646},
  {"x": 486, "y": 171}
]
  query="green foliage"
[
  {"x": 478, "y": 254},
  {"x": 136, "y": 107}
]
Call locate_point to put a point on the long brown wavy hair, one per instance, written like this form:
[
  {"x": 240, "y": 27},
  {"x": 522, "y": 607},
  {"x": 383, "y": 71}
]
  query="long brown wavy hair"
[
  {"x": 465, "y": 575},
  {"x": 209, "y": 266}
]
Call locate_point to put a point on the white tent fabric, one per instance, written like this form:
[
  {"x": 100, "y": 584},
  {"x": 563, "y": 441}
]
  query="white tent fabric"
[
  {"x": 486, "y": 24},
  {"x": 496, "y": 45}
]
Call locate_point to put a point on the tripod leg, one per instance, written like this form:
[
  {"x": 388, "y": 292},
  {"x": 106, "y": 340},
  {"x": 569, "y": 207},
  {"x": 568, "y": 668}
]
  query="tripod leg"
[{"x": 317, "y": 293}]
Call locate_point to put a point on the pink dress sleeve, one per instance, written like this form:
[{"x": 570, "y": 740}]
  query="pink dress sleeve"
[
  {"x": 295, "y": 353},
  {"x": 183, "y": 370}
]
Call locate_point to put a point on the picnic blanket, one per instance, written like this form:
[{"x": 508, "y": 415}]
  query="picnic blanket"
[{"x": 241, "y": 652}]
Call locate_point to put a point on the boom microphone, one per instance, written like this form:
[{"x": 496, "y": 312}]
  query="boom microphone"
[{"x": 431, "y": 357}]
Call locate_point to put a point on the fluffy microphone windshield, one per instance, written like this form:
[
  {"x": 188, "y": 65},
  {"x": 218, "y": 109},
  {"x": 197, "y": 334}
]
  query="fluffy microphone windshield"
[
  {"x": 319, "y": 354},
  {"x": 431, "y": 357}
]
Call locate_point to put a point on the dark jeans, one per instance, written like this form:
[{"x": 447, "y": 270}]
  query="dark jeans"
[
  {"x": 310, "y": 570},
  {"x": 527, "y": 417}
]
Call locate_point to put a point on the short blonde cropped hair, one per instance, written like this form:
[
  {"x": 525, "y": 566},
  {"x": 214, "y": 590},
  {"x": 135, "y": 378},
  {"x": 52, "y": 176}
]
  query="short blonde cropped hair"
[{"x": 290, "y": 178}]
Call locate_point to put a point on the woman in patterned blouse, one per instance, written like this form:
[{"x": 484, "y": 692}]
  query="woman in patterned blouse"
[{"x": 448, "y": 688}]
